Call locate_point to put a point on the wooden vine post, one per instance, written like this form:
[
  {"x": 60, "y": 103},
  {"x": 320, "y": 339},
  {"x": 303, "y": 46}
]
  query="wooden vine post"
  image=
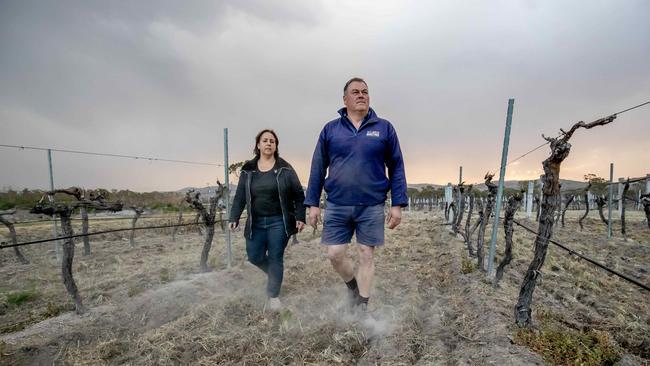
[
  {"x": 64, "y": 211},
  {"x": 626, "y": 187},
  {"x": 645, "y": 201},
  {"x": 138, "y": 212},
  {"x": 208, "y": 216},
  {"x": 179, "y": 221},
  {"x": 461, "y": 208},
  {"x": 9, "y": 223},
  {"x": 560, "y": 149}
]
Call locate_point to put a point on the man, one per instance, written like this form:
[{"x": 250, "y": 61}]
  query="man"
[{"x": 355, "y": 150}]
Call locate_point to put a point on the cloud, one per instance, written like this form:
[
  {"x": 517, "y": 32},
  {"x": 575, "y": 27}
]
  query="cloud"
[{"x": 164, "y": 79}]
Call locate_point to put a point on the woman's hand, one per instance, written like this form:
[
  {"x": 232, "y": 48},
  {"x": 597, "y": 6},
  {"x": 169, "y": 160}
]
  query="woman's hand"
[
  {"x": 233, "y": 226},
  {"x": 300, "y": 225}
]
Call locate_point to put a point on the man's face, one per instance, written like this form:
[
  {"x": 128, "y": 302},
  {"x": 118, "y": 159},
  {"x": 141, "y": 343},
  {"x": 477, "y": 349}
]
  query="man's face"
[{"x": 356, "y": 98}]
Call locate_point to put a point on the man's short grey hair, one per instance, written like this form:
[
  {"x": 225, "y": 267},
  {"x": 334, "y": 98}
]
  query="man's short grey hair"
[{"x": 345, "y": 88}]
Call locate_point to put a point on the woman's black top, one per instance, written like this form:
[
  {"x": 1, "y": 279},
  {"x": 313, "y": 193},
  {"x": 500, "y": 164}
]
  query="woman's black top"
[
  {"x": 265, "y": 194},
  {"x": 288, "y": 189}
]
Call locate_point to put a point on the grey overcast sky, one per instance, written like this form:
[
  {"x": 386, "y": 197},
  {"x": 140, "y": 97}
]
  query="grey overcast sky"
[{"x": 164, "y": 78}]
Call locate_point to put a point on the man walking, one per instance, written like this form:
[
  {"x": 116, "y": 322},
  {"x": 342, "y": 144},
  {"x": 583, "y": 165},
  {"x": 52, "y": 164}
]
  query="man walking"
[{"x": 354, "y": 152}]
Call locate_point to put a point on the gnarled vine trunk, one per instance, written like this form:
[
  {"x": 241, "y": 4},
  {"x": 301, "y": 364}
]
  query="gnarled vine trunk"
[
  {"x": 508, "y": 226},
  {"x": 66, "y": 263},
  {"x": 626, "y": 187},
  {"x": 489, "y": 206},
  {"x": 138, "y": 212},
  {"x": 586, "y": 196},
  {"x": 600, "y": 202},
  {"x": 64, "y": 211},
  {"x": 461, "y": 209},
  {"x": 209, "y": 219},
  {"x": 560, "y": 149},
  {"x": 569, "y": 199},
  {"x": 12, "y": 234}
]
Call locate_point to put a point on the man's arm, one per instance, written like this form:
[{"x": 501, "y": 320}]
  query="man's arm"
[
  {"x": 298, "y": 196},
  {"x": 319, "y": 164},
  {"x": 397, "y": 178},
  {"x": 396, "y": 174}
]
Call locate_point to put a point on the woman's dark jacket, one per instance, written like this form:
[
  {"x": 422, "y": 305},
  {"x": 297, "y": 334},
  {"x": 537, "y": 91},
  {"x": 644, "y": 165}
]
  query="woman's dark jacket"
[{"x": 292, "y": 196}]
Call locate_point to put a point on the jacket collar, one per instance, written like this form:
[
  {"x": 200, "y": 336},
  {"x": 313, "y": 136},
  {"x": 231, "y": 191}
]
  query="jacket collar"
[
  {"x": 371, "y": 117},
  {"x": 251, "y": 165}
]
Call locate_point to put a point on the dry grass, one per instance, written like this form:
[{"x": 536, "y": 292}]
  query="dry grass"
[{"x": 151, "y": 306}]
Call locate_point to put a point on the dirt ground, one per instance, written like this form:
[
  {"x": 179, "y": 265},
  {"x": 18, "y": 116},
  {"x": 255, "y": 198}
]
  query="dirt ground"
[{"x": 150, "y": 305}]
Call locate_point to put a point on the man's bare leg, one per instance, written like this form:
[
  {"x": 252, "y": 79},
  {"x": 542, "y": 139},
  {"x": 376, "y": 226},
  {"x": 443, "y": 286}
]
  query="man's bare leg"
[
  {"x": 366, "y": 269},
  {"x": 337, "y": 255}
]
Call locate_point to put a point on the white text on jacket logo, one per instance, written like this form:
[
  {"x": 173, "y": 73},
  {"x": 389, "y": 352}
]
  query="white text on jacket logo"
[{"x": 372, "y": 133}]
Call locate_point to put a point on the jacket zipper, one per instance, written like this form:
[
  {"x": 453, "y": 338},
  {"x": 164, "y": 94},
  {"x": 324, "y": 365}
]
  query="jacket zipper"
[
  {"x": 361, "y": 126},
  {"x": 250, "y": 203},
  {"x": 284, "y": 221}
]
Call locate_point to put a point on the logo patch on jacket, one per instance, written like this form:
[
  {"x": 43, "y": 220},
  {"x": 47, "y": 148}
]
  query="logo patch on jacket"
[{"x": 372, "y": 133}]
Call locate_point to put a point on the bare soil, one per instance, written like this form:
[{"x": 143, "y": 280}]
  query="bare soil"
[{"x": 149, "y": 305}]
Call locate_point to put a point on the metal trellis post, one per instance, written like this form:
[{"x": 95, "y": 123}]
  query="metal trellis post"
[
  {"x": 448, "y": 199},
  {"x": 460, "y": 180},
  {"x": 529, "y": 199},
  {"x": 227, "y": 182},
  {"x": 57, "y": 247},
  {"x": 502, "y": 176}
]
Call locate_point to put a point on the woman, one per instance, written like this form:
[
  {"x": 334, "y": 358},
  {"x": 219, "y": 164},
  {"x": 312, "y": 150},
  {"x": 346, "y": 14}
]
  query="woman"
[{"x": 271, "y": 192}]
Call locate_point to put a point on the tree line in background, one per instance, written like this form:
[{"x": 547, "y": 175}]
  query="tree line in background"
[
  {"x": 165, "y": 201},
  {"x": 597, "y": 187}
]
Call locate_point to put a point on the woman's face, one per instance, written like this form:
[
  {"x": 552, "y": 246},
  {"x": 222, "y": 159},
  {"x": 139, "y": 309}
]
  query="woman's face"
[{"x": 267, "y": 144}]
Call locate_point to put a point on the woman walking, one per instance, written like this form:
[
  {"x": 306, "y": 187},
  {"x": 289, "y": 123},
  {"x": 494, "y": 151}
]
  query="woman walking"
[{"x": 271, "y": 192}]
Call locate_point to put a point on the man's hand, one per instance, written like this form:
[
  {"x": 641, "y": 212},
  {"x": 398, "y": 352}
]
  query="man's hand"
[
  {"x": 233, "y": 226},
  {"x": 394, "y": 217},
  {"x": 314, "y": 216},
  {"x": 300, "y": 225}
]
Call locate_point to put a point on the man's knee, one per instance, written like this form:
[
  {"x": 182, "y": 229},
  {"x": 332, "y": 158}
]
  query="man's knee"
[
  {"x": 336, "y": 253},
  {"x": 366, "y": 255}
]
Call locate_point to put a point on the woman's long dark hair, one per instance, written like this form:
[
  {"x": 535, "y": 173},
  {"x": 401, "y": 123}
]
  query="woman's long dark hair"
[{"x": 256, "y": 151}]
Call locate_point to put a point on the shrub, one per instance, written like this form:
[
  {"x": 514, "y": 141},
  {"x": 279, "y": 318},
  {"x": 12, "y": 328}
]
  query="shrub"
[
  {"x": 569, "y": 347},
  {"x": 20, "y": 297},
  {"x": 467, "y": 266}
]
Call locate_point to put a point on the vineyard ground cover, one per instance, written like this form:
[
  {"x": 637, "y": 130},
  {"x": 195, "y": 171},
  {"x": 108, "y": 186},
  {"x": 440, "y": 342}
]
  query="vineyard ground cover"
[{"x": 149, "y": 305}]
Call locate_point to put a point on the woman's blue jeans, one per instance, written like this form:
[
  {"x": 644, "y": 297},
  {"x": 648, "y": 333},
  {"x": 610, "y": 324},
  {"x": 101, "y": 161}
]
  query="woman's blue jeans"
[{"x": 266, "y": 250}]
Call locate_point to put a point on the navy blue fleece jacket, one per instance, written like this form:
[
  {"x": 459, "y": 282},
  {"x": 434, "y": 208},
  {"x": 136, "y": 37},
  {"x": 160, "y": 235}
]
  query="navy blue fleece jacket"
[{"x": 356, "y": 163}]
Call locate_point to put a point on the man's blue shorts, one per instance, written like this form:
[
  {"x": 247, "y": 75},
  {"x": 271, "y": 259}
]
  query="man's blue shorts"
[{"x": 340, "y": 222}]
